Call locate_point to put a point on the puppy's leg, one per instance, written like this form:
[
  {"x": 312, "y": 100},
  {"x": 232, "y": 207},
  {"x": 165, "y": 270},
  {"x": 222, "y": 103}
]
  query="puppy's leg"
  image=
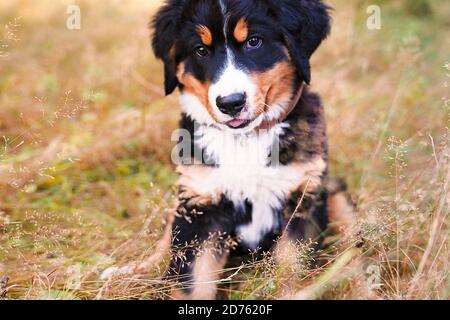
[
  {"x": 161, "y": 250},
  {"x": 341, "y": 210},
  {"x": 200, "y": 245},
  {"x": 305, "y": 226},
  {"x": 200, "y": 280},
  {"x": 307, "y": 217}
]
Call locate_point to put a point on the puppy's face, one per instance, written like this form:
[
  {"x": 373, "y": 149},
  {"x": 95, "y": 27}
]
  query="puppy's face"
[{"x": 237, "y": 65}]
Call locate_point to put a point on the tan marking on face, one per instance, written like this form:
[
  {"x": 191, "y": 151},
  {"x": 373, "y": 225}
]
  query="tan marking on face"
[
  {"x": 196, "y": 88},
  {"x": 241, "y": 31},
  {"x": 205, "y": 34},
  {"x": 208, "y": 267},
  {"x": 274, "y": 85}
]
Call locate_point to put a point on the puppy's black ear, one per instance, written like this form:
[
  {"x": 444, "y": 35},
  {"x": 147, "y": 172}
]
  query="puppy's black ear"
[
  {"x": 164, "y": 41},
  {"x": 306, "y": 24}
]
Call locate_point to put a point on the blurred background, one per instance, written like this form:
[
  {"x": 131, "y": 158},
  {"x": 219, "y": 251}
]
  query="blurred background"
[{"x": 85, "y": 172}]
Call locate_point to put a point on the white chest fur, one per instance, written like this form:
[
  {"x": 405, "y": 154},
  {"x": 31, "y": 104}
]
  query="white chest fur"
[{"x": 243, "y": 174}]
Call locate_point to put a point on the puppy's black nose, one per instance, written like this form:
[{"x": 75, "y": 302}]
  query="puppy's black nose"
[{"x": 232, "y": 104}]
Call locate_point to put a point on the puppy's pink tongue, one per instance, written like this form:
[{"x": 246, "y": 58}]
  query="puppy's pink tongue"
[{"x": 236, "y": 123}]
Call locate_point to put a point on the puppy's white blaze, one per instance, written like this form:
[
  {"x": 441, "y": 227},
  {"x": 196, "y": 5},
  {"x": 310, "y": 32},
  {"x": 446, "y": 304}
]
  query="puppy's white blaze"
[
  {"x": 232, "y": 80},
  {"x": 194, "y": 109},
  {"x": 243, "y": 174}
]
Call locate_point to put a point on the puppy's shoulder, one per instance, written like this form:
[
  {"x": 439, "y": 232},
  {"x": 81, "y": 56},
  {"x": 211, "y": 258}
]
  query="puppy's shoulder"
[{"x": 306, "y": 137}]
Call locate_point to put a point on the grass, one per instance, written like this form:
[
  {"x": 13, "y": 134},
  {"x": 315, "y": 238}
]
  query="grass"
[{"x": 85, "y": 173}]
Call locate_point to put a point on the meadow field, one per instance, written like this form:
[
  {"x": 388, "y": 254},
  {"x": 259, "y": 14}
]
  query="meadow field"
[{"x": 86, "y": 179}]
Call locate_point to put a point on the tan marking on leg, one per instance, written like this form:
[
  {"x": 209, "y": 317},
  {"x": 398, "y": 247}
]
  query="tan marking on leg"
[
  {"x": 241, "y": 31},
  {"x": 178, "y": 295},
  {"x": 191, "y": 177},
  {"x": 313, "y": 175},
  {"x": 162, "y": 249},
  {"x": 341, "y": 213},
  {"x": 286, "y": 253},
  {"x": 207, "y": 271},
  {"x": 205, "y": 34}
]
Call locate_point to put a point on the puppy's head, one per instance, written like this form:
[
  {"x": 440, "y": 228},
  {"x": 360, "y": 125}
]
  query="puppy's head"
[{"x": 238, "y": 63}]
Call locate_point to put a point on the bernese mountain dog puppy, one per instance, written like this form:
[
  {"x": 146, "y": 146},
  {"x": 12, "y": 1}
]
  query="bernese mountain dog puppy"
[{"x": 256, "y": 180}]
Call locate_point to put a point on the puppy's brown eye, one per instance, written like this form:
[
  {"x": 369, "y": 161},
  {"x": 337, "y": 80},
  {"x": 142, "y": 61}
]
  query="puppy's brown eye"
[
  {"x": 254, "y": 42},
  {"x": 201, "y": 51}
]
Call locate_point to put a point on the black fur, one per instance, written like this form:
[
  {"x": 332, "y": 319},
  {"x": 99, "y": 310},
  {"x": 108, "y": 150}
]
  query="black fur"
[{"x": 166, "y": 24}]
